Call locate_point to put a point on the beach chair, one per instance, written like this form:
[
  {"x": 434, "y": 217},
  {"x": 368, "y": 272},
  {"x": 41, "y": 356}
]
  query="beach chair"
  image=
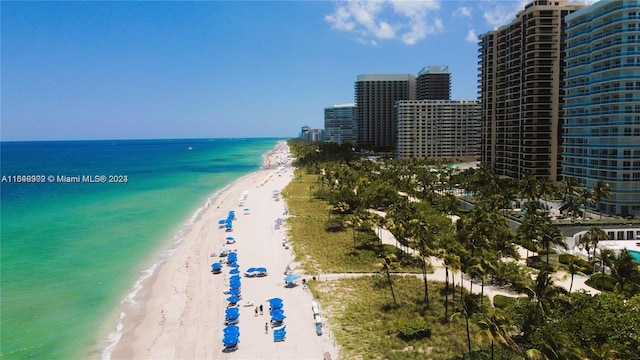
[
  {"x": 230, "y": 343},
  {"x": 231, "y": 321},
  {"x": 279, "y": 333},
  {"x": 216, "y": 268}
]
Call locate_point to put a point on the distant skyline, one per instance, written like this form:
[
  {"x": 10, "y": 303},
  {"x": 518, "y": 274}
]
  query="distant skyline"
[{"x": 212, "y": 69}]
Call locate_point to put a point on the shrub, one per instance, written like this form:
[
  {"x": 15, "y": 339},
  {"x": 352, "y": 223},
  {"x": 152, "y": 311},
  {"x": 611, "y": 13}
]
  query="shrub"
[
  {"x": 595, "y": 281},
  {"x": 334, "y": 225},
  {"x": 583, "y": 264},
  {"x": 502, "y": 301},
  {"x": 413, "y": 329},
  {"x": 540, "y": 262}
]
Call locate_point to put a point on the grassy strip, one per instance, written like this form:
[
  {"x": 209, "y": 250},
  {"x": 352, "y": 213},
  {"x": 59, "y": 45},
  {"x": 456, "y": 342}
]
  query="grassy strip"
[
  {"x": 365, "y": 322},
  {"x": 320, "y": 251}
]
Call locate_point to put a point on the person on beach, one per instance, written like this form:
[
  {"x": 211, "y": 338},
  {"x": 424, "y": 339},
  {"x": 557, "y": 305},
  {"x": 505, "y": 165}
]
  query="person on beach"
[
  {"x": 260, "y": 309},
  {"x": 266, "y": 328},
  {"x": 256, "y": 311}
]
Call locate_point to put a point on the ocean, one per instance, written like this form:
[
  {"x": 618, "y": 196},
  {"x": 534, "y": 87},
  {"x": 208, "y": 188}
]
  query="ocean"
[{"x": 83, "y": 221}]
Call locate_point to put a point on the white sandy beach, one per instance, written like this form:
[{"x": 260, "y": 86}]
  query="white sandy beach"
[{"x": 183, "y": 317}]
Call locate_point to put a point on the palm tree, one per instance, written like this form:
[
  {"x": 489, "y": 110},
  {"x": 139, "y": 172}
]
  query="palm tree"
[
  {"x": 547, "y": 188},
  {"x": 606, "y": 257},
  {"x": 467, "y": 308},
  {"x": 529, "y": 187},
  {"x": 355, "y": 221},
  {"x": 594, "y": 235},
  {"x": 542, "y": 293},
  {"x": 427, "y": 231},
  {"x": 352, "y": 221},
  {"x": 496, "y": 327},
  {"x": 552, "y": 236},
  {"x": 450, "y": 260},
  {"x": 481, "y": 267},
  {"x": 388, "y": 263},
  {"x": 624, "y": 270},
  {"x": 586, "y": 197},
  {"x": 574, "y": 268},
  {"x": 557, "y": 346},
  {"x": 601, "y": 190},
  {"x": 571, "y": 187}
]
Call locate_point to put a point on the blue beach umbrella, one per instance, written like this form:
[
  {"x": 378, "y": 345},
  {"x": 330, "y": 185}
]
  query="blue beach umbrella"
[
  {"x": 231, "y": 329},
  {"x": 229, "y": 238},
  {"x": 261, "y": 269},
  {"x": 276, "y": 312},
  {"x": 233, "y": 299},
  {"x": 278, "y": 318},
  {"x": 234, "y": 265},
  {"x": 234, "y": 271},
  {"x": 230, "y": 341},
  {"x": 222, "y": 222},
  {"x": 234, "y": 291},
  {"x": 235, "y": 277},
  {"x": 232, "y": 313},
  {"x": 235, "y": 285},
  {"x": 216, "y": 266},
  {"x": 291, "y": 278}
]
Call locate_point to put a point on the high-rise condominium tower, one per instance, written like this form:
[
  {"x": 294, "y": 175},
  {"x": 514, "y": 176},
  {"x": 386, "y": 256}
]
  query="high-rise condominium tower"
[
  {"x": 340, "y": 124},
  {"x": 433, "y": 83},
  {"x": 438, "y": 129},
  {"x": 375, "y": 97},
  {"x": 521, "y": 79},
  {"x": 602, "y": 102}
]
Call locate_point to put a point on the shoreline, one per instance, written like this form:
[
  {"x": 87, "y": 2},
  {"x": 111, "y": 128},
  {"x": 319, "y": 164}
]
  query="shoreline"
[
  {"x": 131, "y": 306},
  {"x": 177, "y": 310},
  {"x": 129, "y": 309}
]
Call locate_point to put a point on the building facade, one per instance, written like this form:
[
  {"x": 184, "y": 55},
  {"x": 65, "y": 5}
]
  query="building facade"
[
  {"x": 433, "y": 83},
  {"x": 375, "y": 96},
  {"x": 521, "y": 78},
  {"x": 438, "y": 129},
  {"x": 311, "y": 134},
  {"x": 602, "y": 101},
  {"x": 340, "y": 124}
]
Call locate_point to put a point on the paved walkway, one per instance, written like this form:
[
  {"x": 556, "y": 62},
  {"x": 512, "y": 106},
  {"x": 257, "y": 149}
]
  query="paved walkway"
[{"x": 560, "y": 278}]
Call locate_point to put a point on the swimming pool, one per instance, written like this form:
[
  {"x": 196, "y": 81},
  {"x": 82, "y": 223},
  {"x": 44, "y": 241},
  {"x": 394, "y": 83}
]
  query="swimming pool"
[{"x": 635, "y": 255}]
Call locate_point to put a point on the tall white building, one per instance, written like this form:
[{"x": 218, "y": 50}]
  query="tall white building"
[
  {"x": 438, "y": 129},
  {"x": 602, "y": 101}
]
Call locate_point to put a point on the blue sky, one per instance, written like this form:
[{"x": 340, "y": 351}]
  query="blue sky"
[{"x": 210, "y": 69}]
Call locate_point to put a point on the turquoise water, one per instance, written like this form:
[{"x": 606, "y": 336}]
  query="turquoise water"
[
  {"x": 635, "y": 255},
  {"x": 70, "y": 252}
]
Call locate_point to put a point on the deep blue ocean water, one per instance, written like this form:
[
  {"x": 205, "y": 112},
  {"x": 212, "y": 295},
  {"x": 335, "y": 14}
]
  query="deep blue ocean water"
[{"x": 71, "y": 251}]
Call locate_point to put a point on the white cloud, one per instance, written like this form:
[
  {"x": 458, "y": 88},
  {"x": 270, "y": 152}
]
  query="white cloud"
[
  {"x": 463, "y": 11},
  {"x": 340, "y": 20},
  {"x": 406, "y": 20},
  {"x": 498, "y": 13},
  {"x": 471, "y": 37}
]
